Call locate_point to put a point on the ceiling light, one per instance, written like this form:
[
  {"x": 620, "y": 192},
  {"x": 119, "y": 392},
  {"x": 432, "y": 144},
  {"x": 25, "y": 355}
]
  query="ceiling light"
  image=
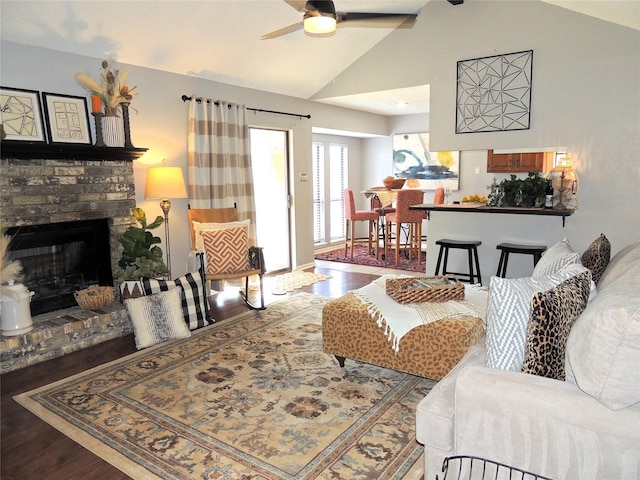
[{"x": 319, "y": 24}]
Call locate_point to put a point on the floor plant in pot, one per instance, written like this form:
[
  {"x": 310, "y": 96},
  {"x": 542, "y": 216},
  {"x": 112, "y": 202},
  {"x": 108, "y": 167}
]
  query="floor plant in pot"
[{"x": 141, "y": 255}]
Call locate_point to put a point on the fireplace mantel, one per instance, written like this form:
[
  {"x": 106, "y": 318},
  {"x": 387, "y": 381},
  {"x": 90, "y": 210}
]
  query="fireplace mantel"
[{"x": 70, "y": 151}]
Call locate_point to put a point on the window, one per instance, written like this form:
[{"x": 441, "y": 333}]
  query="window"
[
  {"x": 329, "y": 181},
  {"x": 318, "y": 193}
]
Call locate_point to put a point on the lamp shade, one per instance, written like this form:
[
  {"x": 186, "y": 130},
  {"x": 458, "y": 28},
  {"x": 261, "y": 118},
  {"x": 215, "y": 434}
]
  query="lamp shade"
[
  {"x": 319, "y": 24},
  {"x": 165, "y": 182}
]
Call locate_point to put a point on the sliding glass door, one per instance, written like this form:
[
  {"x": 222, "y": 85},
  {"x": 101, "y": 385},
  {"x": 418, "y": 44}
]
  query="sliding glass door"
[{"x": 269, "y": 158}]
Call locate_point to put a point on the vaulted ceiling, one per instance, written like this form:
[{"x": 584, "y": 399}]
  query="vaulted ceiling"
[{"x": 221, "y": 40}]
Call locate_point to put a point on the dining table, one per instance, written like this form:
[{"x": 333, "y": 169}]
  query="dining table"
[{"x": 386, "y": 196}]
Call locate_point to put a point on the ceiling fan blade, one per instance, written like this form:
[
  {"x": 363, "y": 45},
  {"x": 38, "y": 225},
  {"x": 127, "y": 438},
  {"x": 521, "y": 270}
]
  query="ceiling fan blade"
[
  {"x": 376, "y": 20},
  {"x": 294, "y": 27},
  {"x": 297, "y": 4}
]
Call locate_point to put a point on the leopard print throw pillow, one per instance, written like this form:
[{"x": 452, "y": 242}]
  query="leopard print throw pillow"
[
  {"x": 596, "y": 257},
  {"x": 552, "y": 315}
]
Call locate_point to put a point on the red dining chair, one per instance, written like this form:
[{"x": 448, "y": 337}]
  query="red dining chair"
[
  {"x": 352, "y": 216},
  {"x": 438, "y": 199},
  {"x": 406, "y": 198}
]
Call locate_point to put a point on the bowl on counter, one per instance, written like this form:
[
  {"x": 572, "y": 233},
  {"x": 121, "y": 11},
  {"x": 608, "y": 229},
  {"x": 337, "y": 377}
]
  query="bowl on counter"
[{"x": 391, "y": 183}]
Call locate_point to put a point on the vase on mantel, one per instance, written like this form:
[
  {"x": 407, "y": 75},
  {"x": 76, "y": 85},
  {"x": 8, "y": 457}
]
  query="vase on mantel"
[{"x": 112, "y": 128}]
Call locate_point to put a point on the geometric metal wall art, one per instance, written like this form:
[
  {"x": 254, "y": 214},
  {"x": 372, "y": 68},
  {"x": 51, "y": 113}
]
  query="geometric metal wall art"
[{"x": 494, "y": 93}]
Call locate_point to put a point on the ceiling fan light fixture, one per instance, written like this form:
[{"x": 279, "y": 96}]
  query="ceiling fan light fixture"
[{"x": 319, "y": 24}]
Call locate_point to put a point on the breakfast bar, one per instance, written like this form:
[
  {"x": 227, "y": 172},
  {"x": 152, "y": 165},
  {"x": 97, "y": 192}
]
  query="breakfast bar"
[
  {"x": 512, "y": 225},
  {"x": 482, "y": 208}
]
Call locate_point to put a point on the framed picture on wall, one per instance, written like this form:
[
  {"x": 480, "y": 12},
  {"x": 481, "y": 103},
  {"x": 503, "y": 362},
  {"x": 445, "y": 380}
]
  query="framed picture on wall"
[
  {"x": 494, "y": 93},
  {"x": 424, "y": 169},
  {"x": 67, "y": 118},
  {"x": 21, "y": 115}
]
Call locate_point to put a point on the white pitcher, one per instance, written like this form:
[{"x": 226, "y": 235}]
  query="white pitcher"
[{"x": 15, "y": 309}]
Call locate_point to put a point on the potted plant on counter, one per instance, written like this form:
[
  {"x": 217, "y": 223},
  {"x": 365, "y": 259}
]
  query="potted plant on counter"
[
  {"x": 141, "y": 255},
  {"x": 520, "y": 192}
]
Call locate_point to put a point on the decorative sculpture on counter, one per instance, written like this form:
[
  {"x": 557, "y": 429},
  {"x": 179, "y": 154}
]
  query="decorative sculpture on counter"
[{"x": 565, "y": 185}]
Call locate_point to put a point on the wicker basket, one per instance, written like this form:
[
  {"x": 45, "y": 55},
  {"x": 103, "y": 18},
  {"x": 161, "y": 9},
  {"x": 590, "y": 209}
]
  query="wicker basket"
[
  {"x": 440, "y": 288},
  {"x": 95, "y": 297}
]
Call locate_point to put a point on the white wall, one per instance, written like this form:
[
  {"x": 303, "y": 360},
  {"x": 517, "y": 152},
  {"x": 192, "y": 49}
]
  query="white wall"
[
  {"x": 161, "y": 126},
  {"x": 585, "y": 96}
]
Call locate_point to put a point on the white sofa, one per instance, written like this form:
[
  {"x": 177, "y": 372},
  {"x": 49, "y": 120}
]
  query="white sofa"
[{"x": 586, "y": 427}]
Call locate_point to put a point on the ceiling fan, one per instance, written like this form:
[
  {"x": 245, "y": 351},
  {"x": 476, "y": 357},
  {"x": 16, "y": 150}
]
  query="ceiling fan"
[{"x": 321, "y": 18}]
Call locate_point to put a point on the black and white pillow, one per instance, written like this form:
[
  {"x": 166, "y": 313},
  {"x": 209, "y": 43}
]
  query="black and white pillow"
[{"x": 194, "y": 299}]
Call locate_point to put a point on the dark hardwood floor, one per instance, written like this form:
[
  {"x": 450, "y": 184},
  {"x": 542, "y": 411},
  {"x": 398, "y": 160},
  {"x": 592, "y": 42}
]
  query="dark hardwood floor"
[{"x": 31, "y": 449}]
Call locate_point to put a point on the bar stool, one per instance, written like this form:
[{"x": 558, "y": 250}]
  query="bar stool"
[
  {"x": 507, "y": 248},
  {"x": 352, "y": 216},
  {"x": 471, "y": 246},
  {"x": 403, "y": 215}
]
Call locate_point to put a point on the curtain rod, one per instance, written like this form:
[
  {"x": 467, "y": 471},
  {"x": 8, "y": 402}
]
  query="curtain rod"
[{"x": 185, "y": 99}]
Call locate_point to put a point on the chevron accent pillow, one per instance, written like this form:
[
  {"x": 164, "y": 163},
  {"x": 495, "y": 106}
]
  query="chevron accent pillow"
[
  {"x": 157, "y": 318},
  {"x": 192, "y": 295},
  {"x": 205, "y": 226},
  {"x": 556, "y": 258},
  {"x": 508, "y": 311},
  {"x": 226, "y": 251}
]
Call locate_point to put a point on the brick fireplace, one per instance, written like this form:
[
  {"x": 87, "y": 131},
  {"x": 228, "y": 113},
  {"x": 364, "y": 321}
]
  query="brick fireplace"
[{"x": 44, "y": 184}]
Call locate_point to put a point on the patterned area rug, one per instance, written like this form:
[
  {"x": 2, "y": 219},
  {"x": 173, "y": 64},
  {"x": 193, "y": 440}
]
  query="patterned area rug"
[
  {"x": 288, "y": 282},
  {"x": 249, "y": 398},
  {"x": 362, "y": 257}
]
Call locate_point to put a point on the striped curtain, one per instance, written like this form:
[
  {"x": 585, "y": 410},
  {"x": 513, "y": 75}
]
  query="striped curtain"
[{"x": 220, "y": 158}]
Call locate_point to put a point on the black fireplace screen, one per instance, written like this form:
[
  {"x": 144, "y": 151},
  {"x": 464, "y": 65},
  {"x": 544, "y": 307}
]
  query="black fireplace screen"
[{"x": 59, "y": 259}]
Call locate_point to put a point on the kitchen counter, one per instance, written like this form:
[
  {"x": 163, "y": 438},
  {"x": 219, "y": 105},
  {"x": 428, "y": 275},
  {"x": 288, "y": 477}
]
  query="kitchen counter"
[{"x": 482, "y": 208}]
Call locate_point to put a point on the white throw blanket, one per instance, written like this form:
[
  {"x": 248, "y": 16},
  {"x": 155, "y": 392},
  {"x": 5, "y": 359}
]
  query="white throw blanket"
[{"x": 398, "y": 319}]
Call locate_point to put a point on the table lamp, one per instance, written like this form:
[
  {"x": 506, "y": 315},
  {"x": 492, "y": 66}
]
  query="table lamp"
[
  {"x": 165, "y": 183},
  {"x": 564, "y": 180}
]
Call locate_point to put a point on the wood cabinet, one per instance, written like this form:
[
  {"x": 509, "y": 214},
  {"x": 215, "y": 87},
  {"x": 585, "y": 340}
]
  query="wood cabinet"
[{"x": 519, "y": 162}]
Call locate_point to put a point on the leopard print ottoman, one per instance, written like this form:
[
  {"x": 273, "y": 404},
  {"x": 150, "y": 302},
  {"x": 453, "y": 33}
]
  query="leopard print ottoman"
[{"x": 432, "y": 350}]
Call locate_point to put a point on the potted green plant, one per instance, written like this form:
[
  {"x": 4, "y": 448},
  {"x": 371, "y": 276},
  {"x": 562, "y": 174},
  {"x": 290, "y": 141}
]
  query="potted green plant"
[
  {"x": 141, "y": 255},
  {"x": 521, "y": 192}
]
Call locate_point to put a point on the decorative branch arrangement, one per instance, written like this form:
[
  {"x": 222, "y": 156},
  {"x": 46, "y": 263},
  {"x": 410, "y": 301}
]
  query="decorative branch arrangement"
[{"x": 112, "y": 88}]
